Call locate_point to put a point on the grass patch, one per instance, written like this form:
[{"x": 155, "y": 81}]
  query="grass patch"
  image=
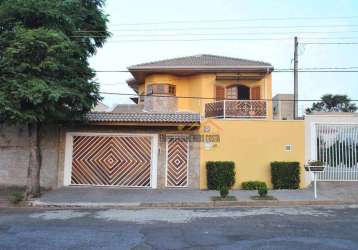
[
  {"x": 227, "y": 198},
  {"x": 263, "y": 198},
  {"x": 16, "y": 197}
]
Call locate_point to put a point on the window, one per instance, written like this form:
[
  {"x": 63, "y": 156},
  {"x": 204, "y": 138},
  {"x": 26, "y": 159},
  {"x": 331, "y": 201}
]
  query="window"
[
  {"x": 288, "y": 148},
  {"x": 242, "y": 92},
  {"x": 161, "y": 89},
  {"x": 231, "y": 93}
]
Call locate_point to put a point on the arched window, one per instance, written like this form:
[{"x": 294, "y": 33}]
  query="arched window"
[{"x": 238, "y": 92}]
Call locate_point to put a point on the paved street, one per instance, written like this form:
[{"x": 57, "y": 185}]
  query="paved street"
[{"x": 334, "y": 227}]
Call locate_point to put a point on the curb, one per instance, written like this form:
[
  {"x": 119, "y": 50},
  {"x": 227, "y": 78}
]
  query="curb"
[{"x": 209, "y": 204}]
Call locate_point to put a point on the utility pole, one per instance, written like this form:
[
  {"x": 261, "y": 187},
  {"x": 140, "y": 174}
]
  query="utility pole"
[{"x": 295, "y": 80}]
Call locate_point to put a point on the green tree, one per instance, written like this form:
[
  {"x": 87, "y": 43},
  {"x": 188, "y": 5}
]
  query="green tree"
[
  {"x": 333, "y": 103},
  {"x": 44, "y": 71}
]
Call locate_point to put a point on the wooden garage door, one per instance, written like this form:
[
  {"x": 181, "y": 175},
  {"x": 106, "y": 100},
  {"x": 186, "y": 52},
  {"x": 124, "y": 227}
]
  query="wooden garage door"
[
  {"x": 177, "y": 161},
  {"x": 111, "y": 160}
]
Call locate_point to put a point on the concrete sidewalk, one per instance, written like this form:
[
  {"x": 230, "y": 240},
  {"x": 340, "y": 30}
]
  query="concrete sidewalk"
[{"x": 119, "y": 197}]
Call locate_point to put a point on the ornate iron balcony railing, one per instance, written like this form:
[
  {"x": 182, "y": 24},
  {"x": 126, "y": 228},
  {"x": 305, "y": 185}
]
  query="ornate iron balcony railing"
[{"x": 245, "y": 109}]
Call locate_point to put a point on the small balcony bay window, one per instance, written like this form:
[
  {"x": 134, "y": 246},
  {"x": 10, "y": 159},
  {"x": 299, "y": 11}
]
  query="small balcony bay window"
[
  {"x": 160, "y": 98},
  {"x": 161, "y": 89}
]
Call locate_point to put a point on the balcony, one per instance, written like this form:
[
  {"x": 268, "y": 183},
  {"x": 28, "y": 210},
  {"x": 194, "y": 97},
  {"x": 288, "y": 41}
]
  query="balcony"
[{"x": 239, "y": 109}]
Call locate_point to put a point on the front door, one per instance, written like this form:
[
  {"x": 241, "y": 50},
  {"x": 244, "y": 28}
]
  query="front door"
[{"x": 177, "y": 161}]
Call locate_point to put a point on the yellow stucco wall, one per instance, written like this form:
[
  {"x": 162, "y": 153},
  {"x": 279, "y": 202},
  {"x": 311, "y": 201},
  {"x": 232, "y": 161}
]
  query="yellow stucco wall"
[
  {"x": 252, "y": 145},
  {"x": 203, "y": 85}
]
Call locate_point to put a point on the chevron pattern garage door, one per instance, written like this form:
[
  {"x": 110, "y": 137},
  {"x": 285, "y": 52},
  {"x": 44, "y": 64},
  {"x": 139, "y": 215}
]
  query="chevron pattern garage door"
[
  {"x": 177, "y": 161},
  {"x": 111, "y": 160}
]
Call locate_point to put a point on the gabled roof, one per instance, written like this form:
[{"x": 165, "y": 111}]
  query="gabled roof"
[
  {"x": 189, "y": 65},
  {"x": 203, "y": 62}
]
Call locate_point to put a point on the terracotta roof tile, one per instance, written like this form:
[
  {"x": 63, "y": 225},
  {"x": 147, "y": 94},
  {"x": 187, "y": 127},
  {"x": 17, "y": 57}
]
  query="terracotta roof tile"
[
  {"x": 179, "y": 117},
  {"x": 203, "y": 61}
]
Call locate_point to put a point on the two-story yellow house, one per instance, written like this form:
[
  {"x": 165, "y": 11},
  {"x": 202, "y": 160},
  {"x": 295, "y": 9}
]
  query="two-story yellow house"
[{"x": 190, "y": 110}]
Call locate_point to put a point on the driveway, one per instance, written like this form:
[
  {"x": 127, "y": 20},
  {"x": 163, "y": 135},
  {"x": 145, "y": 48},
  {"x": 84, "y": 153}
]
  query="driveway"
[{"x": 332, "y": 227}]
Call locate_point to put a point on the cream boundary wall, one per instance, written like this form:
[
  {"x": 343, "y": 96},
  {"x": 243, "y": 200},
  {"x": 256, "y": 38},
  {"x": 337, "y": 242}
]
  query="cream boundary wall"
[
  {"x": 327, "y": 118},
  {"x": 252, "y": 145},
  {"x": 56, "y": 153},
  {"x": 14, "y": 155}
]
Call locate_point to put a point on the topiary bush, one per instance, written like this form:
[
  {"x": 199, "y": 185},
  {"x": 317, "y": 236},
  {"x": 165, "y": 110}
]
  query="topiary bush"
[
  {"x": 285, "y": 175},
  {"x": 253, "y": 185},
  {"x": 220, "y": 173},
  {"x": 262, "y": 191}
]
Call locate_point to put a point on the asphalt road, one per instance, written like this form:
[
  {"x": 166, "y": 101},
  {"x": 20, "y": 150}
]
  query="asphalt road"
[{"x": 244, "y": 228}]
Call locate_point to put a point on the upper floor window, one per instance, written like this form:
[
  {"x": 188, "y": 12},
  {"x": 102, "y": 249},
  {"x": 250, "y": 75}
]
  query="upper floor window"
[
  {"x": 161, "y": 89},
  {"x": 232, "y": 93},
  {"x": 237, "y": 92}
]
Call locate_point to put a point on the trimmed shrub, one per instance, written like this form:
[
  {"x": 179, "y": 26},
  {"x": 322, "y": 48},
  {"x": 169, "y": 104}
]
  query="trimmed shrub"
[
  {"x": 220, "y": 173},
  {"x": 224, "y": 191},
  {"x": 285, "y": 175},
  {"x": 253, "y": 185},
  {"x": 262, "y": 191}
]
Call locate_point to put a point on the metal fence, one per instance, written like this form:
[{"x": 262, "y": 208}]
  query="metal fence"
[
  {"x": 337, "y": 146},
  {"x": 241, "y": 109}
]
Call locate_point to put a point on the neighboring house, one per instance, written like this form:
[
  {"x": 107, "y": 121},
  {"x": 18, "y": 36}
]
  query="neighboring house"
[
  {"x": 100, "y": 107},
  {"x": 128, "y": 108},
  {"x": 283, "y": 106},
  {"x": 332, "y": 137},
  {"x": 166, "y": 140}
]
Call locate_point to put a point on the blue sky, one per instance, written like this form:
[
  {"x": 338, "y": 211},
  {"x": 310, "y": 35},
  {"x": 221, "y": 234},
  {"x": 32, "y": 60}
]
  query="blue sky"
[{"x": 129, "y": 21}]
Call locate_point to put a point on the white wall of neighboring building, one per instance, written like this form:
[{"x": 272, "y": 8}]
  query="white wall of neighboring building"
[
  {"x": 282, "y": 107},
  {"x": 322, "y": 118},
  {"x": 100, "y": 107}
]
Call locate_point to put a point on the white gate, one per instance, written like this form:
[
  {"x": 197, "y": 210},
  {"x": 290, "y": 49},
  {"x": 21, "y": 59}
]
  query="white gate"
[{"x": 337, "y": 146}]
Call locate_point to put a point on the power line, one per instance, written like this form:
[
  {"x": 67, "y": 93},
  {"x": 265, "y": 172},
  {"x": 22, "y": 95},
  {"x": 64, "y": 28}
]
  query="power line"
[
  {"x": 111, "y": 71},
  {"x": 311, "y": 69},
  {"x": 222, "y": 34},
  {"x": 198, "y": 40},
  {"x": 226, "y": 39},
  {"x": 317, "y": 71},
  {"x": 113, "y": 84},
  {"x": 323, "y": 68},
  {"x": 209, "y": 98},
  {"x": 226, "y": 28},
  {"x": 333, "y": 43},
  {"x": 239, "y": 20},
  {"x": 275, "y": 71}
]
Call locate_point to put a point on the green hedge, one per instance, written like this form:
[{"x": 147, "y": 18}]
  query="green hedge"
[
  {"x": 285, "y": 175},
  {"x": 253, "y": 185},
  {"x": 220, "y": 173}
]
